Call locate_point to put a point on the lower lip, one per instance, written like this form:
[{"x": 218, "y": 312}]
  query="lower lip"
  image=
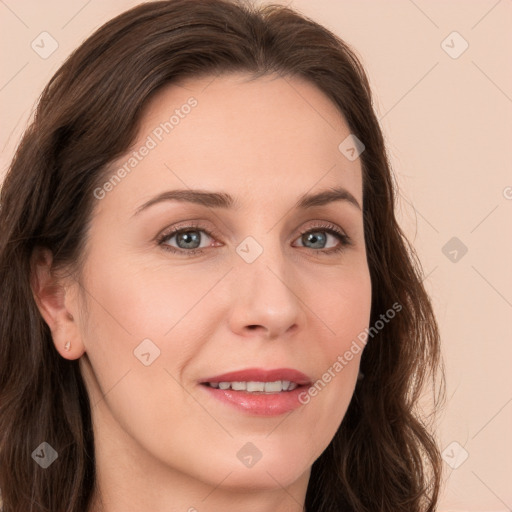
[{"x": 261, "y": 404}]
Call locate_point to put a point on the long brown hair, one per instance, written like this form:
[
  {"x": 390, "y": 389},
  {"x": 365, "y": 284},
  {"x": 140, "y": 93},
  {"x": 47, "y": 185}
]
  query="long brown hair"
[{"x": 384, "y": 456}]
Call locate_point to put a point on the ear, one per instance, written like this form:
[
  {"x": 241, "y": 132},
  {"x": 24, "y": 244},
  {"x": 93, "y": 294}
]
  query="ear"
[{"x": 54, "y": 299}]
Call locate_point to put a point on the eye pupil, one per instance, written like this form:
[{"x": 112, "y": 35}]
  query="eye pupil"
[
  {"x": 314, "y": 237},
  {"x": 188, "y": 237}
]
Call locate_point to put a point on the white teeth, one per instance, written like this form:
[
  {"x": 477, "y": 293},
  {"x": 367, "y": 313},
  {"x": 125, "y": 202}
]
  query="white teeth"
[
  {"x": 256, "y": 387},
  {"x": 273, "y": 387}
]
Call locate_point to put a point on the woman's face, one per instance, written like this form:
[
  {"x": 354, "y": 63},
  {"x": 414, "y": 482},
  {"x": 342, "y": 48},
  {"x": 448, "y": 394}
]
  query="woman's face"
[{"x": 239, "y": 288}]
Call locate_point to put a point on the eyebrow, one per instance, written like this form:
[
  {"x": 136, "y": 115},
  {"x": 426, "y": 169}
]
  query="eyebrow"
[{"x": 223, "y": 200}]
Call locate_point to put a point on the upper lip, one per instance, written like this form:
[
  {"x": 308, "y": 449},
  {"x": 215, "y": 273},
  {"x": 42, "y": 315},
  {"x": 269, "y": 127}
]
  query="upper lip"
[{"x": 261, "y": 375}]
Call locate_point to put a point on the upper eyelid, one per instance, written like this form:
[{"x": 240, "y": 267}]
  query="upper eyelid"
[{"x": 174, "y": 230}]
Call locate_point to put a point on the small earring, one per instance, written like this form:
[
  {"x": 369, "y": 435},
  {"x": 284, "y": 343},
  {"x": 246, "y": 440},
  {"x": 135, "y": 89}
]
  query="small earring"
[{"x": 67, "y": 346}]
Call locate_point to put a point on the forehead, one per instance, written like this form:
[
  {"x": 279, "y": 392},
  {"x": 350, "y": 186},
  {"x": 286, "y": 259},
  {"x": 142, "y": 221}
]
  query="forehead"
[{"x": 253, "y": 139}]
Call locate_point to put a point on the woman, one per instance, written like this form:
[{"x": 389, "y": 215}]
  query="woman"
[{"x": 207, "y": 302}]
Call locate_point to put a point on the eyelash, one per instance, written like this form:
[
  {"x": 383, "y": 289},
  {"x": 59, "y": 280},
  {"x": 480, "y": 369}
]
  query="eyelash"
[{"x": 344, "y": 239}]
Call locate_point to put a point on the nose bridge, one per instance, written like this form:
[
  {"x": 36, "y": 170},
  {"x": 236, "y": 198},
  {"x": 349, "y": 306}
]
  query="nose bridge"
[{"x": 263, "y": 287}]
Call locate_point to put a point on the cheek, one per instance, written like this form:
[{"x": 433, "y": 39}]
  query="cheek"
[
  {"x": 148, "y": 300},
  {"x": 346, "y": 307},
  {"x": 133, "y": 360},
  {"x": 346, "y": 311}
]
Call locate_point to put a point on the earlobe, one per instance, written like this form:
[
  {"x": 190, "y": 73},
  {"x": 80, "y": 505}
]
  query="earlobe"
[{"x": 50, "y": 296}]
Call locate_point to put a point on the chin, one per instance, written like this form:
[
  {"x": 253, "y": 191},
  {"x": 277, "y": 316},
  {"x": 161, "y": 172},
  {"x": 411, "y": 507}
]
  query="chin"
[
  {"x": 262, "y": 479},
  {"x": 277, "y": 471}
]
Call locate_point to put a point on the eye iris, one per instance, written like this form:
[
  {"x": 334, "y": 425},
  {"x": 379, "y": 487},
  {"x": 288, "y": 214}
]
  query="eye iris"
[
  {"x": 188, "y": 237},
  {"x": 314, "y": 237}
]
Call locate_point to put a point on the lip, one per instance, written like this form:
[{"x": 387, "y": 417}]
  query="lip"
[{"x": 259, "y": 404}]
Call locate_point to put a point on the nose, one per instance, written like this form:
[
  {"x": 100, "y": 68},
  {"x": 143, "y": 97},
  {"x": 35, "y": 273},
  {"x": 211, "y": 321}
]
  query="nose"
[{"x": 266, "y": 297}]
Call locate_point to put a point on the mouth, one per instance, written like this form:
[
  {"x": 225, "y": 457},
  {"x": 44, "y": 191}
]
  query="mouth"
[
  {"x": 259, "y": 380},
  {"x": 277, "y": 386},
  {"x": 259, "y": 392}
]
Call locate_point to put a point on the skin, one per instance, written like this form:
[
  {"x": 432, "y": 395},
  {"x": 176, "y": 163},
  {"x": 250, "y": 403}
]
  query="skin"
[{"x": 162, "y": 443}]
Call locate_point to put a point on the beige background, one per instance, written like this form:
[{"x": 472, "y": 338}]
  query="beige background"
[{"x": 448, "y": 126}]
